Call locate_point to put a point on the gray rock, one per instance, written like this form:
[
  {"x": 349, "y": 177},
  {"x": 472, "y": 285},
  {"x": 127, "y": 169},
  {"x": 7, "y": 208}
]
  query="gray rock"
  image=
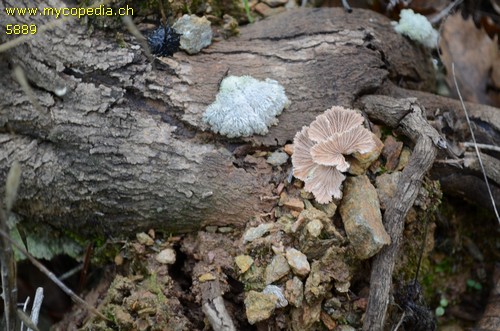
[
  {"x": 244, "y": 262},
  {"x": 144, "y": 239},
  {"x": 294, "y": 291},
  {"x": 275, "y": 3},
  {"x": 277, "y": 158},
  {"x": 166, "y": 256},
  {"x": 314, "y": 227},
  {"x": 360, "y": 211},
  {"x": 259, "y": 306},
  {"x": 386, "y": 187},
  {"x": 298, "y": 261},
  {"x": 278, "y": 292},
  {"x": 196, "y": 33},
  {"x": 277, "y": 269},
  {"x": 257, "y": 232}
]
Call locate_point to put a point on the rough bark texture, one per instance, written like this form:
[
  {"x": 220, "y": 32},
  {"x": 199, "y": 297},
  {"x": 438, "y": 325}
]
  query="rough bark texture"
[{"x": 124, "y": 149}]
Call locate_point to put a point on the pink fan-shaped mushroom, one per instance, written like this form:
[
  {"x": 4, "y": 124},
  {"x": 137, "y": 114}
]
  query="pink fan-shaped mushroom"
[
  {"x": 335, "y": 120},
  {"x": 319, "y": 159}
]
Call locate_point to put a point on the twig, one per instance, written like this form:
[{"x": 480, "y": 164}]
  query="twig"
[
  {"x": 482, "y": 146},
  {"x": 346, "y": 6},
  {"x": 445, "y": 12},
  {"x": 475, "y": 143},
  {"x": 37, "y": 305}
]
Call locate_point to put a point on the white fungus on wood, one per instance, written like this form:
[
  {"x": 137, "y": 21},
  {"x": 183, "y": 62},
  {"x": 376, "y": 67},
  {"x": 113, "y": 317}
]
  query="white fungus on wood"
[
  {"x": 246, "y": 106},
  {"x": 417, "y": 27},
  {"x": 319, "y": 150}
]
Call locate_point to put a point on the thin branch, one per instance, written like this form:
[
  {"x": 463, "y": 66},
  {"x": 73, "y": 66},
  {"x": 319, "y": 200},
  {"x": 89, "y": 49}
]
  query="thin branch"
[
  {"x": 37, "y": 305},
  {"x": 475, "y": 143},
  {"x": 482, "y": 146}
]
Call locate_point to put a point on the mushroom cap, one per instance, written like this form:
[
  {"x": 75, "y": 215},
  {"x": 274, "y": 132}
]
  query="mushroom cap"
[{"x": 319, "y": 150}]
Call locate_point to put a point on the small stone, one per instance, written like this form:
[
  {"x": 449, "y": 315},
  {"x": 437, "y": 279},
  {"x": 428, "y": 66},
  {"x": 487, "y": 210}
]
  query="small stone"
[
  {"x": 392, "y": 150},
  {"x": 196, "y": 33},
  {"x": 166, "y": 256},
  {"x": 361, "y": 162},
  {"x": 259, "y": 306},
  {"x": 342, "y": 287},
  {"x": 225, "y": 229},
  {"x": 257, "y": 232},
  {"x": 277, "y": 269},
  {"x": 345, "y": 328},
  {"x": 206, "y": 277},
  {"x": 387, "y": 184},
  {"x": 211, "y": 229},
  {"x": 144, "y": 239},
  {"x": 329, "y": 209},
  {"x": 298, "y": 261},
  {"x": 275, "y": 3},
  {"x": 360, "y": 212},
  {"x": 314, "y": 227},
  {"x": 244, "y": 262},
  {"x": 306, "y": 195},
  {"x": 119, "y": 259},
  {"x": 404, "y": 157},
  {"x": 294, "y": 291},
  {"x": 278, "y": 292},
  {"x": 328, "y": 321},
  {"x": 294, "y": 204},
  {"x": 277, "y": 158},
  {"x": 288, "y": 148}
]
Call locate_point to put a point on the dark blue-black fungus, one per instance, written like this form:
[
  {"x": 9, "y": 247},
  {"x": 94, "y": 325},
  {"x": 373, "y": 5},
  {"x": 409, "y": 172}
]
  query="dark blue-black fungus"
[{"x": 164, "y": 41}]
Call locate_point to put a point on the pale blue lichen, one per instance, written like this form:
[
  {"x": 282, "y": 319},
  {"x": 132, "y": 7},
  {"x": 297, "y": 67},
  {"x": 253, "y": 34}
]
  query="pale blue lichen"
[
  {"x": 245, "y": 106},
  {"x": 417, "y": 27}
]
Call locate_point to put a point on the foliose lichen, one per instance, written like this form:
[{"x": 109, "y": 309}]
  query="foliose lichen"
[{"x": 246, "y": 106}]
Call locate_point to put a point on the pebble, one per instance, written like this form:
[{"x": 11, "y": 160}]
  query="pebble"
[
  {"x": 144, "y": 239},
  {"x": 277, "y": 269},
  {"x": 298, "y": 262},
  {"x": 257, "y": 232},
  {"x": 244, "y": 262},
  {"x": 259, "y": 306},
  {"x": 277, "y": 158},
  {"x": 166, "y": 256}
]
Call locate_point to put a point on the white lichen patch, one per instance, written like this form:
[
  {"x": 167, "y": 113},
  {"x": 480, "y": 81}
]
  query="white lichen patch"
[
  {"x": 417, "y": 27},
  {"x": 246, "y": 106}
]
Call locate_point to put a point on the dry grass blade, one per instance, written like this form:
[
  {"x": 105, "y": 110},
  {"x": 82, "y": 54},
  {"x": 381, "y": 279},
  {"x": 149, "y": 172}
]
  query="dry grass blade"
[
  {"x": 27, "y": 320},
  {"x": 475, "y": 143}
]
